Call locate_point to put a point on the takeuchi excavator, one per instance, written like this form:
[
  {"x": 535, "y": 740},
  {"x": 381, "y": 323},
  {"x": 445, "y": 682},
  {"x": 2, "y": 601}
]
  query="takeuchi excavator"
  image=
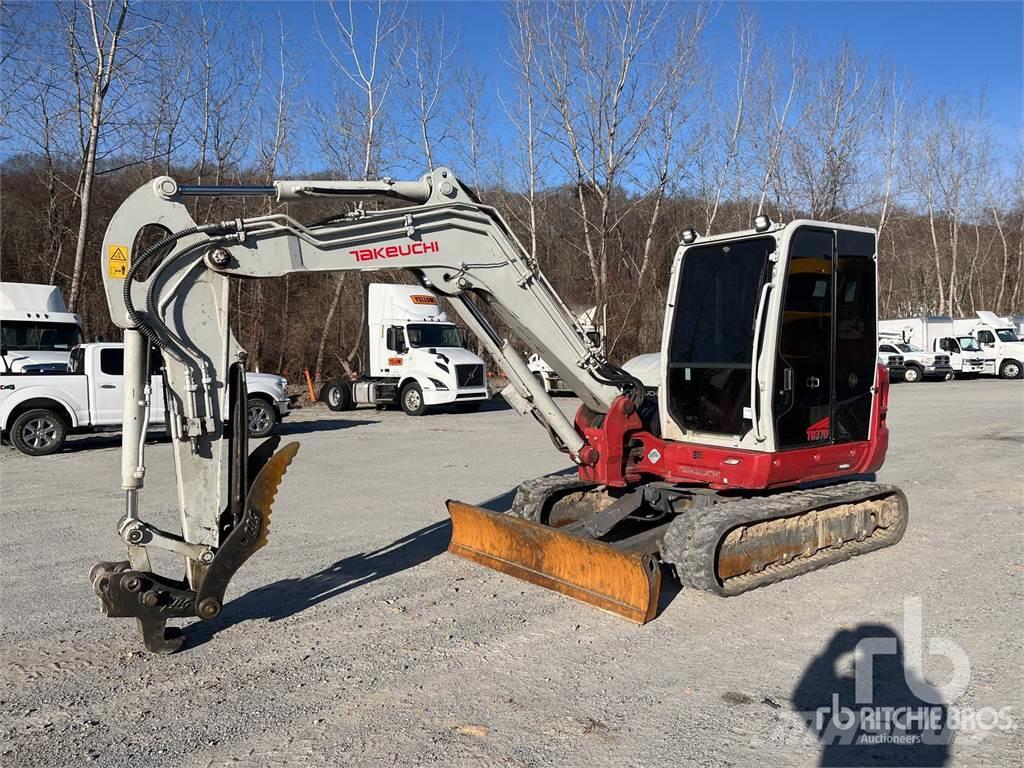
[{"x": 751, "y": 462}]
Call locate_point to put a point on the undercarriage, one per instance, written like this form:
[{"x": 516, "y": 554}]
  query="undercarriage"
[{"x": 723, "y": 543}]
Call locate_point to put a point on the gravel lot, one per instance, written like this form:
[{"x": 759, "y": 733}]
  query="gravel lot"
[{"x": 353, "y": 639}]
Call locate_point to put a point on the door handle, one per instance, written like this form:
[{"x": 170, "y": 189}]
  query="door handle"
[
  {"x": 108, "y": 386},
  {"x": 813, "y": 382},
  {"x": 755, "y": 356}
]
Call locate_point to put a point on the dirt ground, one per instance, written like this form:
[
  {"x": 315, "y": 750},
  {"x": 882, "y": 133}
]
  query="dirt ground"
[{"x": 354, "y": 639}]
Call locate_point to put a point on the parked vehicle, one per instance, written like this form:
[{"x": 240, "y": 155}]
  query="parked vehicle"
[
  {"x": 547, "y": 375},
  {"x": 937, "y": 334},
  {"x": 894, "y": 362},
  {"x": 918, "y": 363},
  {"x": 414, "y": 357},
  {"x": 35, "y": 326},
  {"x": 39, "y": 410},
  {"x": 1001, "y": 347}
]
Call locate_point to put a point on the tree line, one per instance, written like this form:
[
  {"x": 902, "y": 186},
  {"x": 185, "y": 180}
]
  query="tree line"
[{"x": 612, "y": 127}]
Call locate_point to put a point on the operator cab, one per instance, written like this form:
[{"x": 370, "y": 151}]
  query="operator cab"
[{"x": 796, "y": 304}]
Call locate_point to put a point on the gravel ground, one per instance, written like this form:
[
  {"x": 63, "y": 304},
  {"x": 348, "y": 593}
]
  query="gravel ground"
[{"x": 353, "y": 639}]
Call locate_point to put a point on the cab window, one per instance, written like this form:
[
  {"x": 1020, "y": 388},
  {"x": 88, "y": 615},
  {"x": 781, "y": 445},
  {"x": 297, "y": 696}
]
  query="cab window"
[
  {"x": 986, "y": 337},
  {"x": 112, "y": 362}
]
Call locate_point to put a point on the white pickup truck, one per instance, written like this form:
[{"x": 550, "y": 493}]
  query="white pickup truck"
[{"x": 39, "y": 411}]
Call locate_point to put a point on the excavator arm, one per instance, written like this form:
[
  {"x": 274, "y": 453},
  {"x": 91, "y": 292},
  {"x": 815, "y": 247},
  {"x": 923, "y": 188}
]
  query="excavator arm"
[{"x": 174, "y": 296}]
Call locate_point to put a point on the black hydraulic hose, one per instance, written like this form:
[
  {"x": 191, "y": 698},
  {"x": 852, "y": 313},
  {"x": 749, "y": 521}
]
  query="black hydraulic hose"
[
  {"x": 137, "y": 319},
  {"x": 152, "y": 298}
]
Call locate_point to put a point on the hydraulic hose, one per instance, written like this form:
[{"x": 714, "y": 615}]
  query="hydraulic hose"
[{"x": 137, "y": 319}]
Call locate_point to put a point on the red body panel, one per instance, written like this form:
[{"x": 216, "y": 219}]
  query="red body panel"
[{"x": 621, "y": 453}]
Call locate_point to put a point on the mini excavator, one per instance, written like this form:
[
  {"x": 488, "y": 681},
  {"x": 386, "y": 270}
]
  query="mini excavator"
[{"x": 749, "y": 462}]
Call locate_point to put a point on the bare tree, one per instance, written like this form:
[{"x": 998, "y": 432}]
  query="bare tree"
[
  {"x": 427, "y": 80},
  {"x": 603, "y": 85},
  {"x": 523, "y": 61},
  {"x": 774, "y": 121},
  {"x": 726, "y": 125},
  {"x": 370, "y": 62},
  {"x": 96, "y": 45},
  {"x": 825, "y": 154},
  {"x": 472, "y": 85}
]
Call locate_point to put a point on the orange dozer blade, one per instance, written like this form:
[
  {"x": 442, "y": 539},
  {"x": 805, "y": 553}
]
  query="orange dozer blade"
[{"x": 623, "y": 583}]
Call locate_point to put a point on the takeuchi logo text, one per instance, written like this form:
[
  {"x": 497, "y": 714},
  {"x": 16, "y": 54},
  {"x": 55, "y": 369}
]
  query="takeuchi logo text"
[{"x": 394, "y": 251}]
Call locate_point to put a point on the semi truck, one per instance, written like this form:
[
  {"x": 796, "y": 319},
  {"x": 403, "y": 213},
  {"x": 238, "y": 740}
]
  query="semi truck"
[
  {"x": 982, "y": 345},
  {"x": 36, "y": 328},
  {"x": 39, "y": 411},
  {"x": 414, "y": 357}
]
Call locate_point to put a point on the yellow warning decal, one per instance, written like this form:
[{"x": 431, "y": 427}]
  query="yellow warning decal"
[{"x": 117, "y": 261}]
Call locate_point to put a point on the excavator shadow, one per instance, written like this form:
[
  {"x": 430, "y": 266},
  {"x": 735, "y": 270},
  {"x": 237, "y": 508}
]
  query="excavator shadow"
[
  {"x": 321, "y": 424},
  {"x": 288, "y": 597}
]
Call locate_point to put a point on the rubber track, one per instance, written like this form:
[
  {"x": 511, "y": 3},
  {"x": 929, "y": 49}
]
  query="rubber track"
[
  {"x": 531, "y": 495},
  {"x": 691, "y": 543}
]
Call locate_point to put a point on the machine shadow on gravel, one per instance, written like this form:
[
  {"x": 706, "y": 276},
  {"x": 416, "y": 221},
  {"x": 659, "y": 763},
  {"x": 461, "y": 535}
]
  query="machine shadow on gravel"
[
  {"x": 321, "y": 424},
  {"x": 288, "y": 597},
  {"x": 894, "y": 726}
]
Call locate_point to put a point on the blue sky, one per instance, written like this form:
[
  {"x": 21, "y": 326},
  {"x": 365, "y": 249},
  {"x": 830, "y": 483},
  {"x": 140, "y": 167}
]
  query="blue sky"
[{"x": 943, "y": 47}]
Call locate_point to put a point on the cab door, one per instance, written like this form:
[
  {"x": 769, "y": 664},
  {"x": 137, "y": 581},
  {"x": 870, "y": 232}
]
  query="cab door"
[{"x": 803, "y": 372}]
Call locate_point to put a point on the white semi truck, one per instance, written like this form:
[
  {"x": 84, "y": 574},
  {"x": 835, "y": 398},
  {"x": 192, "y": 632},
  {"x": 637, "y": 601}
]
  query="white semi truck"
[
  {"x": 413, "y": 357},
  {"x": 39, "y": 411},
  {"x": 36, "y": 328},
  {"x": 985, "y": 344}
]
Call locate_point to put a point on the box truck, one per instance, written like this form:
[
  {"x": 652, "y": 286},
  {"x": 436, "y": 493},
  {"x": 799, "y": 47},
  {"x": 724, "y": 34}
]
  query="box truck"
[
  {"x": 414, "y": 357},
  {"x": 984, "y": 344},
  {"x": 921, "y": 340}
]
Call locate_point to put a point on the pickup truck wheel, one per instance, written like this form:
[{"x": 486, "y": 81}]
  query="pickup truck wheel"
[
  {"x": 262, "y": 417},
  {"x": 412, "y": 399},
  {"x": 338, "y": 395},
  {"x": 39, "y": 432},
  {"x": 913, "y": 374},
  {"x": 1010, "y": 369}
]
